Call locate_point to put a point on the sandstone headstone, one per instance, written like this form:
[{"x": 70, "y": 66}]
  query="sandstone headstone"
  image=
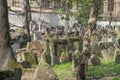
[
  {"x": 27, "y": 59},
  {"x": 63, "y": 58},
  {"x": 94, "y": 60},
  {"x": 117, "y": 30},
  {"x": 111, "y": 51},
  {"x": 94, "y": 38},
  {"x": 35, "y": 47},
  {"x": 105, "y": 54},
  {"x": 44, "y": 71},
  {"x": 94, "y": 47}
]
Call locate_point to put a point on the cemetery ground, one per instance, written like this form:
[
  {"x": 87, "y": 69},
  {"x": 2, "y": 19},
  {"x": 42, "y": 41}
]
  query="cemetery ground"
[{"x": 108, "y": 70}]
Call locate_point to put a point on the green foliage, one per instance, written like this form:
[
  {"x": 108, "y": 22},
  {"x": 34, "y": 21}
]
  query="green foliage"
[
  {"x": 106, "y": 69},
  {"x": 83, "y": 9},
  {"x": 64, "y": 71},
  {"x": 117, "y": 78}
]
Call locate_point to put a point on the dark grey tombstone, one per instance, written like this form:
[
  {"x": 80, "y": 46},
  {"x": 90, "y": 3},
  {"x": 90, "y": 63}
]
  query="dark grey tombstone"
[{"x": 15, "y": 46}]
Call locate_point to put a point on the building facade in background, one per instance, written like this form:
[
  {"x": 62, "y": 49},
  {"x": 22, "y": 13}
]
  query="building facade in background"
[{"x": 110, "y": 11}]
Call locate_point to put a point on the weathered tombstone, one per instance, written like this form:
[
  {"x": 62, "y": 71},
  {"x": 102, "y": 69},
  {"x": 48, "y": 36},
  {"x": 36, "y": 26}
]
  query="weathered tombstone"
[
  {"x": 94, "y": 60},
  {"x": 37, "y": 36},
  {"x": 20, "y": 42},
  {"x": 70, "y": 55},
  {"x": 117, "y": 59},
  {"x": 19, "y": 56},
  {"x": 27, "y": 59},
  {"x": 104, "y": 38},
  {"x": 75, "y": 61},
  {"x": 105, "y": 54},
  {"x": 44, "y": 71},
  {"x": 63, "y": 58},
  {"x": 35, "y": 47},
  {"x": 111, "y": 51},
  {"x": 56, "y": 47},
  {"x": 106, "y": 45},
  {"x": 23, "y": 39},
  {"x": 94, "y": 38},
  {"x": 117, "y": 31},
  {"x": 95, "y": 48},
  {"x": 15, "y": 47},
  {"x": 75, "y": 43},
  {"x": 117, "y": 56}
]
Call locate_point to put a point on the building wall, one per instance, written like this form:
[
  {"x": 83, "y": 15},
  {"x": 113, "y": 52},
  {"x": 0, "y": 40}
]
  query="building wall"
[
  {"x": 51, "y": 18},
  {"x": 115, "y": 13},
  {"x": 105, "y": 16}
]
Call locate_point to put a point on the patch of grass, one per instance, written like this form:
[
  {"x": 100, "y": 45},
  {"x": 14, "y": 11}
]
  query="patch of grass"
[
  {"x": 117, "y": 78},
  {"x": 107, "y": 68},
  {"x": 63, "y": 71}
]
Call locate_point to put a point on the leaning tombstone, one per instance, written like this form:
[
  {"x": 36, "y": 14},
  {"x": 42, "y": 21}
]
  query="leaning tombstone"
[
  {"x": 94, "y": 60},
  {"x": 44, "y": 71},
  {"x": 35, "y": 47}
]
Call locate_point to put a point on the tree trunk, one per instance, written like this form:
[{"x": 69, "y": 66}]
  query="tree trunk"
[
  {"x": 6, "y": 55},
  {"x": 26, "y": 17},
  {"x": 82, "y": 67},
  {"x": 93, "y": 14}
]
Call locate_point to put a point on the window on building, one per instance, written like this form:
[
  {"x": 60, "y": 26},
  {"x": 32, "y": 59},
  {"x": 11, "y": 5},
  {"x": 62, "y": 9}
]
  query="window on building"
[{"x": 110, "y": 5}]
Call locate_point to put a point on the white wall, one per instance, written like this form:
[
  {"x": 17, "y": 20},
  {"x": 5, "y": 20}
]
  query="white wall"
[
  {"x": 105, "y": 23},
  {"x": 51, "y": 18}
]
